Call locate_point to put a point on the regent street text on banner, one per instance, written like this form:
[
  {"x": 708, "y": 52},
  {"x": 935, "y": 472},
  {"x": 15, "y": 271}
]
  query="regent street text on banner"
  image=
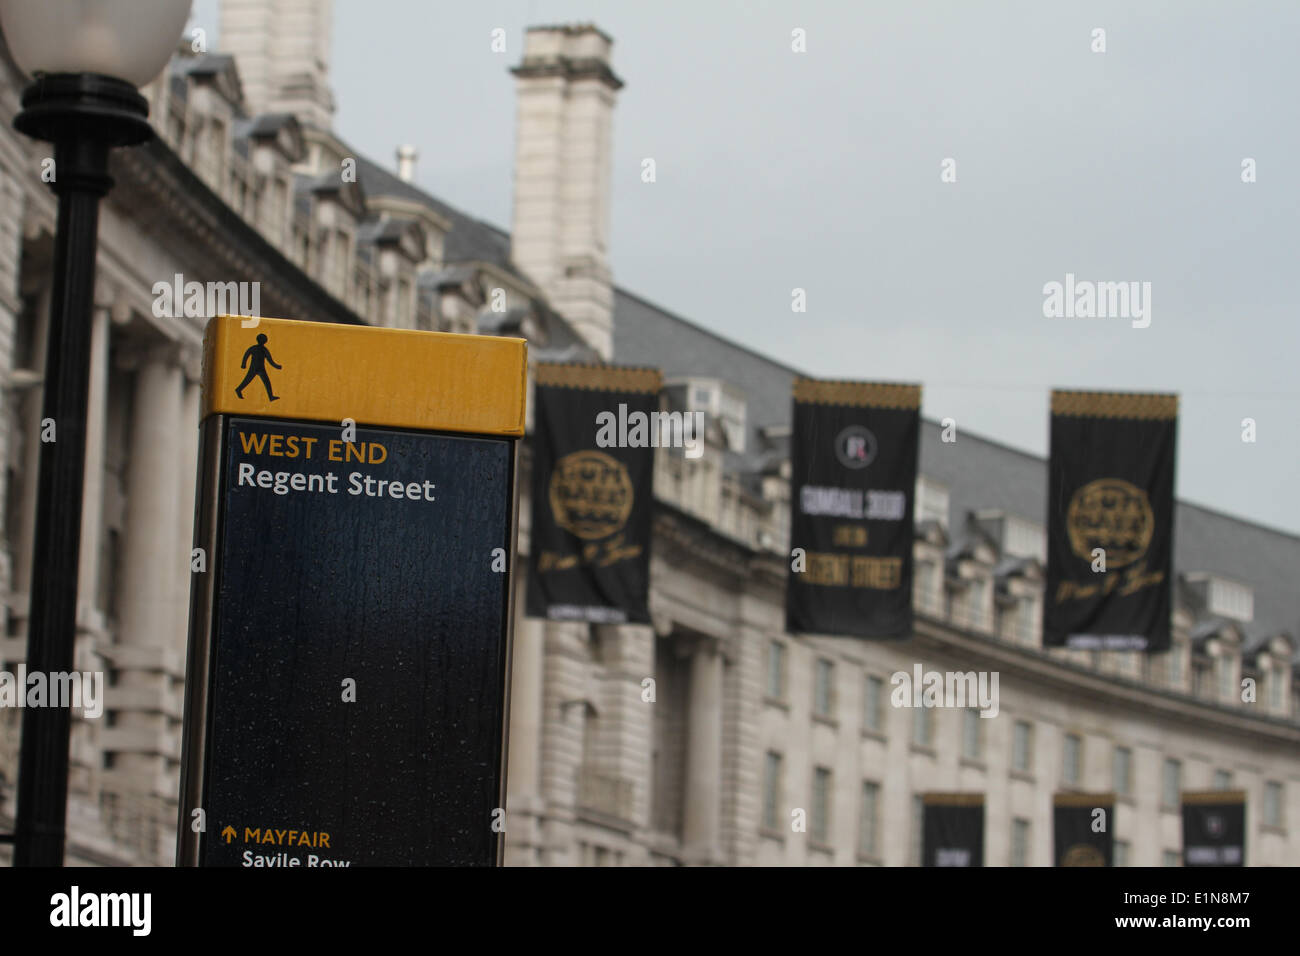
[
  {"x": 1110, "y": 516},
  {"x": 1083, "y": 829},
  {"x": 952, "y": 829},
  {"x": 589, "y": 551},
  {"x": 853, "y": 479}
]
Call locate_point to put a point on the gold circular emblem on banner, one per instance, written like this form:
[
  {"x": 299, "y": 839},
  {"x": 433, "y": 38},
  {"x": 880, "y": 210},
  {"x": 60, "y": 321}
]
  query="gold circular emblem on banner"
[
  {"x": 1081, "y": 854},
  {"x": 591, "y": 494},
  {"x": 1113, "y": 515}
]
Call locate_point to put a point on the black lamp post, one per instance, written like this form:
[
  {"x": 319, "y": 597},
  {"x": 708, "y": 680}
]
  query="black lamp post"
[{"x": 76, "y": 102}]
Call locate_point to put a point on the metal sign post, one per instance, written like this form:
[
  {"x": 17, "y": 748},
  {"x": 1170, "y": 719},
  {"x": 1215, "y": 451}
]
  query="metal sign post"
[{"x": 346, "y": 698}]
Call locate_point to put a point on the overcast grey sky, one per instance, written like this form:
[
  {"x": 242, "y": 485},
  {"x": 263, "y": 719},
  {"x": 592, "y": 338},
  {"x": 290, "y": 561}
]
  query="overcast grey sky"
[{"x": 821, "y": 170}]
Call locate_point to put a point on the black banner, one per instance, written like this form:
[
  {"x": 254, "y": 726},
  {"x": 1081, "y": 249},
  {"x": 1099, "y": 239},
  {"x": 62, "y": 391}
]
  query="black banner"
[
  {"x": 953, "y": 831},
  {"x": 853, "y": 479},
  {"x": 1214, "y": 828},
  {"x": 595, "y": 431},
  {"x": 1083, "y": 827},
  {"x": 1110, "y": 519}
]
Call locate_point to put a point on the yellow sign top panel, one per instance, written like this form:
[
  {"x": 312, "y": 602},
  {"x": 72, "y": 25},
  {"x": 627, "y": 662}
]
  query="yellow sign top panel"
[{"x": 397, "y": 378}]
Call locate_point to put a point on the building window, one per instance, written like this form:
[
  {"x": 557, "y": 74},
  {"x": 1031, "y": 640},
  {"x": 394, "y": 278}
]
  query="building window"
[
  {"x": 1222, "y": 780},
  {"x": 918, "y": 829},
  {"x": 1201, "y": 679},
  {"x": 776, "y": 670},
  {"x": 1173, "y": 783},
  {"x": 873, "y": 717},
  {"x": 1273, "y": 804},
  {"x": 970, "y": 734},
  {"x": 931, "y": 501},
  {"x": 976, "y": 616},
  {"x": 822, "y": 687},
  {"x": 1121, "y": 853},
  {"x": 342, "y": 255},
  {"x": 925, "y": 573},
  {"x": 1022, "y": 735},
  {"x": 1123, "y": 772},
  {"x": 1026, "y": 621},
  {"x": 1072, "y": 759},
  {"x": 821, "y": 805},
  {"x": 1229, "y": 599},
  {"x": 772, "y": 791},
  {"x": 1019, "y": 842},
  {"x": 217, "y": 152},
  {"x": 404, "y": 303},
  {"x": 867, "y": 825},
  {"x": 922, "y": 726},
  {"x": 1169, "y": 858}
]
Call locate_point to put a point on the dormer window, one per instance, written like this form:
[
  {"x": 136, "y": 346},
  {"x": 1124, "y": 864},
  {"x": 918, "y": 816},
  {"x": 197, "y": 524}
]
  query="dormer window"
[
  {"x": 1224, "y": 597},
  {"x": 1026, "y": 621},
  {"x": 1225, "y": 679},
  {"x": 1016, "y": 537},
  {"x": 722, "y": 403},
  {"x": 931, "y": 501}
]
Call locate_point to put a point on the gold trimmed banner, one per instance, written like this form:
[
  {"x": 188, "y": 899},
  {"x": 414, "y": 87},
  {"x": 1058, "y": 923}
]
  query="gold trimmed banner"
[
  {"x": 1083, "y": 799},
  {"x": 853, "y": 452},
  {"x": 593, "y": 493},
  {"x": 604, "y": 378},
  {"x": 857, "y": 394},
  {"x": 1083, "y": 829},
  {"x": 953, "y": 799},
  {"x": 1214, "y": 827},
  {"x": 952, "y": 829},
  {"x": 1149, "y": 406},
  {"x": 1200, "y": 797},
  {"x": 1110, "y": 493}
]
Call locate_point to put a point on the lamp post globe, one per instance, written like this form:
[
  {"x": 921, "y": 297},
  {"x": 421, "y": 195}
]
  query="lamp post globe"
[
  {"x": 86, "y": 60},
  {"x": 129, "y": 40}
]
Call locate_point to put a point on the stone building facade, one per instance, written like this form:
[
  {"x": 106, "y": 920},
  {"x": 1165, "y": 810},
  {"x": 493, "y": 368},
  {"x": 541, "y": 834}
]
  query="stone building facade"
[{"x": 249, "y": 183}]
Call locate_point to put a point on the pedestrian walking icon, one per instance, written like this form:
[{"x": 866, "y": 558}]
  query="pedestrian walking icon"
[{"x": 255, "y": 360}]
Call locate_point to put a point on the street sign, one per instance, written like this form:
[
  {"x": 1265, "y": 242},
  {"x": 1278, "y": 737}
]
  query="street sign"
[{"x": 350, "y": 618}]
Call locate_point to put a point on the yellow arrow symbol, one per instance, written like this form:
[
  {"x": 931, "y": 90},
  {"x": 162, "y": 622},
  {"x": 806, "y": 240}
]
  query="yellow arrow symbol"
[{"x": 228, "y": 833}]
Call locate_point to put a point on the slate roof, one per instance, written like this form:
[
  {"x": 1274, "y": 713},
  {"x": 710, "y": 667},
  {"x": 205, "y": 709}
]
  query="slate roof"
[
  {"x": 380, "y": 229},
  {"x": 645, "y": 334},
  {"x": 980, "y": 473},
  {"x": 470, "y": 239}
]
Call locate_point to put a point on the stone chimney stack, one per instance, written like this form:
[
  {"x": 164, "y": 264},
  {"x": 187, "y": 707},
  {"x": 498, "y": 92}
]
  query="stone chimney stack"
[
  {"x": 282, "y": 53},
  {"x": 563, "y": 152},
  {"x": 406, "y": 157}
]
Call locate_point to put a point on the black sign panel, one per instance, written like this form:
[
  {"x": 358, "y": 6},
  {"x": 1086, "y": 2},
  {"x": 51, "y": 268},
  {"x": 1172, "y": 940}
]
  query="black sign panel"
[
  {"x": 853, "y": 460},
  {"x": 953, "y": 833},
  {"x": 1214, "y": 829},
  {"x": 1083, "y": 829},
  {"x": 592, "y": 492},
  {"x": 358, "y": 648},
  {"x": 1110, "y": 521}
]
